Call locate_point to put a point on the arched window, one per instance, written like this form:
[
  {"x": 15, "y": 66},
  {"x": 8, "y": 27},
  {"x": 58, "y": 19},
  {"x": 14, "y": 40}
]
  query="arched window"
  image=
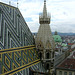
[
  {"x": 38, "y": 49},
  {"x": 47, "y": 55},
  {"x": 40, "y": 45},
  {"x": 40, "y": 55},
  {"x": 47, "y": 66},
  {"x": 53, "y": 55}
]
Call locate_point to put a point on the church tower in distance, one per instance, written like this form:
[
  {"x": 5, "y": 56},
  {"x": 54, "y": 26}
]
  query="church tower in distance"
[{"x": 44, "y": 41}]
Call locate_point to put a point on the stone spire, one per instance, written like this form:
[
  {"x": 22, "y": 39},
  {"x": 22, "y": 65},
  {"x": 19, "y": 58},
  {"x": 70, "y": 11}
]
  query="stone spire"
[
  {"x": 44, "y": 18},
  {"x": 44, "y": 40},
  {"x": 44, "y": 10}
]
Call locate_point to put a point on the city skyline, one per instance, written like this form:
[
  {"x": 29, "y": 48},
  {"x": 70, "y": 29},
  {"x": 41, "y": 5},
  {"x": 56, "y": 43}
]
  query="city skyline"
[{"x": 62, "y": 13}]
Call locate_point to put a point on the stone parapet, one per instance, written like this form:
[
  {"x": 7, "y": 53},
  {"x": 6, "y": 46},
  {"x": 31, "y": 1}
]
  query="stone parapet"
[{"x": 44, "y": 20}]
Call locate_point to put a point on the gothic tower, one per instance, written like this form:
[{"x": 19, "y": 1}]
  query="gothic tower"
[{"x": 44, "y": 40}]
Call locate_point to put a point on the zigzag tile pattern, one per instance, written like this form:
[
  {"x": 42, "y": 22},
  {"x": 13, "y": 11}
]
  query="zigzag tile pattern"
[
  {"x": 13, "y": 60},
  {"x": 14, "y": 31}
]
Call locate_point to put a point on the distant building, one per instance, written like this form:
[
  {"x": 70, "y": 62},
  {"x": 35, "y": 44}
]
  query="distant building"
[
  {"x": 57, "y": 38},
  {"x": 60, "y": 57},
  {"x": 73, "y": 46},
  {"x": 67, "y": 67},
  {"x": 70, "y": 45},
  {"x": 58, "y": 42},
  {"x": 72, "y": 55}
]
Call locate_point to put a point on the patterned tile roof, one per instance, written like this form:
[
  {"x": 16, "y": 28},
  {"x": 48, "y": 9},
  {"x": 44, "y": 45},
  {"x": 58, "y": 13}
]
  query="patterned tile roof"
[{"x": 7, "y": 5}]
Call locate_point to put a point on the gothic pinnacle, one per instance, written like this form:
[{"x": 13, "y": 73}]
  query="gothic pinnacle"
[
  {"x": 44, "y": 1},
  {"x": 44, "y": 10}
]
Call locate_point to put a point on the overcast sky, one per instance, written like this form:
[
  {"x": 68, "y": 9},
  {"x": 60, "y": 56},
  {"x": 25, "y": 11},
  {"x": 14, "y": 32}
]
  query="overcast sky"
[{"x": 62, "y": 13}]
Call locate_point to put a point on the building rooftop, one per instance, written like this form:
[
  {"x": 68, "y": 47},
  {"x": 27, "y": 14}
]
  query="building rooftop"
[
  {"x": 67, "y": 64},
  {"x": 70, "y": 44},
  {"x": 72, "y": 55},
  {"x": 57, "y": 38}
]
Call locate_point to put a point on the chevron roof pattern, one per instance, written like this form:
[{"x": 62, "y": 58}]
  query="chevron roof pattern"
[{"x": 14, "y": 31}]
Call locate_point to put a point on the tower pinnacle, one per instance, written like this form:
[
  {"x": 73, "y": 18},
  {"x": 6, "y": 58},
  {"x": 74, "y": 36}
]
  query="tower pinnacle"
[
  {"x": 44, "y": 18},
  {"x": 44, "y": 10},
  {"x": 44, "y": 40}
]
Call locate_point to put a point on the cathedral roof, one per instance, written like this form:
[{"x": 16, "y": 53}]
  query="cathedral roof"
[{"x": 7, "y": 5}]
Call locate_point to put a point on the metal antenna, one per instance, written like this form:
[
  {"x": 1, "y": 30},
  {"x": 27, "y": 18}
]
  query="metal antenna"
[
  {"x": 17, "y": 3},
  {"x": 9, "y": 2}
]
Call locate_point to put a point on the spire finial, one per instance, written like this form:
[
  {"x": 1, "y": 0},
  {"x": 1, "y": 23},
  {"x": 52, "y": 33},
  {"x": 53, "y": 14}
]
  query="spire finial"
[
  {"x": 44, "y": 10},
  {"x": 44, "y": 1}
]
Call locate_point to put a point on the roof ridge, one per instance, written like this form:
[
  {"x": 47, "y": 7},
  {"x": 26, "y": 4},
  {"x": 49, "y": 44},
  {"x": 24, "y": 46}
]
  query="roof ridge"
[
  {"x": 62, "y": 62},
  {"x": 7, "y": 5}
]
